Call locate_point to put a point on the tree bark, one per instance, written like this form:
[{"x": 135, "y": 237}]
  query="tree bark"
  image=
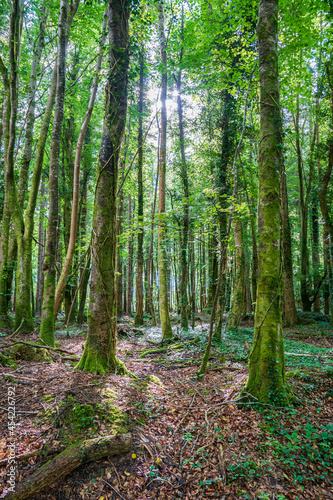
[
  {"x": 239, "y": 290},
  {"x": 11, "y": 208},
  {"x": 129, "y": 264},
  {"x": 162, "y": 255},
  {"x": 70, "y": 459},
  {"x": 267, "y": 380},
  {"x": 76, "y": 183},
  {"x": 49, "y": 266},
  {"x": 99, "y": 355},
  {"x": 39, "y": 291},
  {"x": 139, "y": 275},
  {"x": 24, "y": 254},
  {"x": 290, "y": 314}
]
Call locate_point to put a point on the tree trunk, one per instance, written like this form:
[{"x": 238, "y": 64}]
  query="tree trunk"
[
  {"x": 49, "y": 266},
  {"x": 24, "y": 255},
  {"x": 11, "y": 207},
  {"x": 315, "y": 223},
  {"x": 76, "y": 182},
  {"x": 70, "y": 459},
  {"x": 239, "y": 290},
  {"x": 290, "y": 314},
  {"x": 139, "y": 274},
  {"x": 267, "y": 380},
  {"x": 162, "y": 255},
  {"x": 99, "y": 355},
  {"x": 120, "y": 267},
  {"x": 39, "y": 291},
  {"x": 304, "y": 203},
  {"x": 129, "y": 264}
]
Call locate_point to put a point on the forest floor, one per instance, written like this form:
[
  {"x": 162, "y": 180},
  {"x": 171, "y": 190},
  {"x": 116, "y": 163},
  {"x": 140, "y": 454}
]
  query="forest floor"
[{"x": 191, "y": 439}]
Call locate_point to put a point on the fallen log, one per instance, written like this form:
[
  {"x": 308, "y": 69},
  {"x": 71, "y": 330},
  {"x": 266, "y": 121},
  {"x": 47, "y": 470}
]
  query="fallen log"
[
  {"x": 67, "y": 461},
  {"x": 145, "y": 352}
]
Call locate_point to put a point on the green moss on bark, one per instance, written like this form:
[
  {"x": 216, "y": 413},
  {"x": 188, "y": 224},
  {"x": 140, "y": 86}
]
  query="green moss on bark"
[{"x": 96, "y": 362}]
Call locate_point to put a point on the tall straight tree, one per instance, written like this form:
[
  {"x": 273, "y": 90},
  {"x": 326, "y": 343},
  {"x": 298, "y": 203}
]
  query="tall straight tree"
[
  {"x": 10, "y": 83},
  {"x": 49, "y": 266},
  {"x": 267, "y": 381},
  {"x": 184, "y": 177},
  {"x": 139, "y": 274},
  {"x": 162, "y": 256},
  {"x": 99, "y": 354},
  {"x": 76, "y": 183}
]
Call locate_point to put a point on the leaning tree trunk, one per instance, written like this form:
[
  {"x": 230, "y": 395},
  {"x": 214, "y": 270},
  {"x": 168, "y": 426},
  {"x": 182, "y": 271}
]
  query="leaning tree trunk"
[
  {"x": 267, "y": 381},
  {"x": 162, "y": 255},
  {"x": 99, "y": 355},
  {"x": 49, "y": 266},
  {"x": 139, "y": 274}
]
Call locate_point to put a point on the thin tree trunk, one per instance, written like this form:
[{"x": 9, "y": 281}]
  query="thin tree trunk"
[
  {"x": 39, "y": 291},
  {"x": 290, "y": 314},
  {"x": 49, "y": 267},
  {"x": 162, "y": 255},
  {"x": 323, "y": 195},
  {"x": 24, "y": 255},
  {"x": 99, "y": 355},
  {"x": 120, "y": 268},
  {"x": 139, "y": 275},
  {"x": 76, "y": 183},
  {"x": 129, "y": 263},
  {"x": 239, "y": 290},
  {"x": 10, "y": 79}
]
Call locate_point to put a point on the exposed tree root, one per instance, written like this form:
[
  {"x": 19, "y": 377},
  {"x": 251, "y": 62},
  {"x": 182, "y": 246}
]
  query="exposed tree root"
[{"x": 67, "y": 461}]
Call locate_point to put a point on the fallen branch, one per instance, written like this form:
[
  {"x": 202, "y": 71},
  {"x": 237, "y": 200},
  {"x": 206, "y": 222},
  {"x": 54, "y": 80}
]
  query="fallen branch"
[
  {"x": 167, "y": 347},
  {"x": 39, "y": 346},
  {"x": 67, "y": 461}
]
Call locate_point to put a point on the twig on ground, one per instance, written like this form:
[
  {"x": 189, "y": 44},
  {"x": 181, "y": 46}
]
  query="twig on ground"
[
  {"x": 119, "y": 481},
  {"x": 114, "y": 489}
]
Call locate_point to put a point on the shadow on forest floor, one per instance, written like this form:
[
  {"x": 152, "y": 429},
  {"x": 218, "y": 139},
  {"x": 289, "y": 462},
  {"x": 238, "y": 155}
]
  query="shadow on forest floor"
[{"x": 191, "y": 439}]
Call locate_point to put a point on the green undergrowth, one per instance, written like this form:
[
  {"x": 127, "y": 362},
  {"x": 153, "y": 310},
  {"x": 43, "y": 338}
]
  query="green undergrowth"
[
  {"x": 301, "y": 447},
  {"x": 236, "y": 342}
]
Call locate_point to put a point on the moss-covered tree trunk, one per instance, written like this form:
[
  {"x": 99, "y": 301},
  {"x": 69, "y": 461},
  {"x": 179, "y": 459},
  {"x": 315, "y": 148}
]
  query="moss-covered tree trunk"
[
  {"x": 267, "y": 380},
  {"x": 24, "y": 254},
  {"x": 10, "y": 80},
  {"x": 139, "y": 273},
  {"x": 99, "y": 354},
  {"x": 162, "y": 255},
  {"x": 49, "y": 266}
]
